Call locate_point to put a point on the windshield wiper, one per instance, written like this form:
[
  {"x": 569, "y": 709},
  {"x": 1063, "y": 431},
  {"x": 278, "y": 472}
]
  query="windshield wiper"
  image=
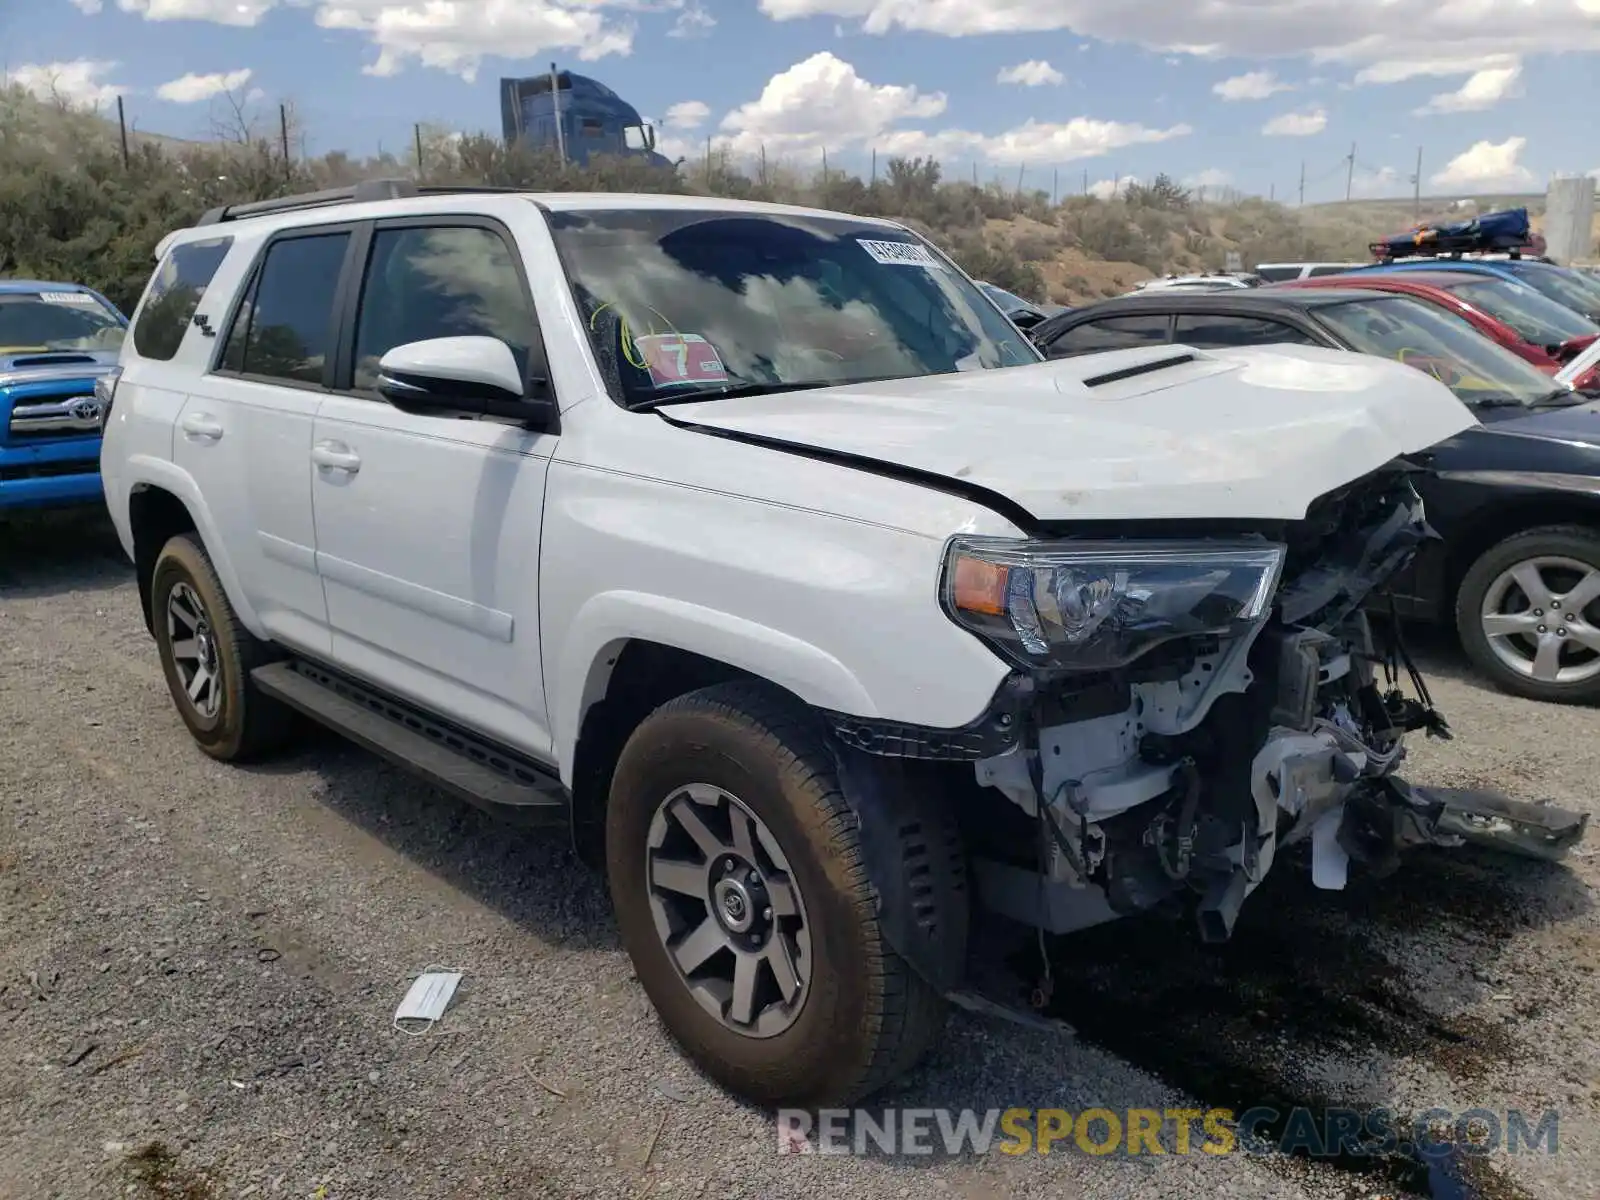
[
  {"x": 727, "y": 391},
  {"x": 1559, "y": 398},
  {"x": 1496, "y": 400}
]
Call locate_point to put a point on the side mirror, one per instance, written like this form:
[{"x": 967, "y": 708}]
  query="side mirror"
[
  {"x": 461, "y": 375},
  {"x": 650, "y": 136}
]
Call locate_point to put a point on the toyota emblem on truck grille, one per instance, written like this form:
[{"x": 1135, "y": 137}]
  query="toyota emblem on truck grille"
[{"x": 86, "y": 409}]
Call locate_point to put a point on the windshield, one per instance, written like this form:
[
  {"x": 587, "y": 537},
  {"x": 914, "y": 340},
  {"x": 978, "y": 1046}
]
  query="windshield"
[
  {"x": 1564, "y": 287},
  {"x": 1442, "y": 344},
  {"x": 691, "y": 303},
  {"x": 1004, "y": 298},
  {"x": 41, "y": 322},
  {"x": 1535, "y": 317}
]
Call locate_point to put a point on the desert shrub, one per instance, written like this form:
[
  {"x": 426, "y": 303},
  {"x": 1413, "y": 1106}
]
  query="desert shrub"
[{"x": 72, "y": 207}]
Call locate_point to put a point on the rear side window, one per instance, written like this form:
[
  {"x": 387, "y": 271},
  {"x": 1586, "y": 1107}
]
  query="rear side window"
[
  {"x": 174, "y": 296},
  {"x": 1207, "y": 331},
  {"x": 1111, "y": 333},
  {"x": 284, "y": 329},
  {"x": 1278, "y": 274}
]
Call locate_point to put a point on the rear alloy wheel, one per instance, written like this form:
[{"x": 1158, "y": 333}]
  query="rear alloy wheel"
[
  {"x": 1529, "y": 614},
  {"x": 207, "y": 656},
  {"x": 737, "y": 873}
]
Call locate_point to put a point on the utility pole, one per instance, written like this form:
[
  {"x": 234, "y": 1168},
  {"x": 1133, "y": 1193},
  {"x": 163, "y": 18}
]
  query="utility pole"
[
  {"x": 1350, "y": 179},
  {"x": 874, "y": 165},
  {"x": 417, "y": 130},
  {"x": 824, "y": 166},
  {"x": 122, "y": 124},
  {"x": 1086, "y": 181},
  {"x": 1055, "y": 184},
  {"x": 283, "y": 133},
  {"x": 561, "y": 137},
  {"x": 1302, "y": 183},
  {"x": 1020, "y": 170},
  {"x": 1272, "y": 193},
  {"x": 1416, "y": 195}
]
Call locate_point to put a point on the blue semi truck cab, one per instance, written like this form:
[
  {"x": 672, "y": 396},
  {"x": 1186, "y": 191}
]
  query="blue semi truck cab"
[
  {"x": 591, "y": 118},
  {"x": 57, "y": 340}
]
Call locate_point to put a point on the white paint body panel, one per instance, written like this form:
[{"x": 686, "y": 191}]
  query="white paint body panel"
[
  {"x": 1256, "y": 433},
  {"x": 493, "y": 574}
]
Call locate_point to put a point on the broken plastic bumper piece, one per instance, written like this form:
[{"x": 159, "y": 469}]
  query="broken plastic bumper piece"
[{"x": 1514, "y": 826}]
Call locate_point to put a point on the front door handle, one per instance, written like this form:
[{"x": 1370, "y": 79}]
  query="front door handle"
[
  {"x": 201, "y": 427},
  {"x": 336, "y": 456}
]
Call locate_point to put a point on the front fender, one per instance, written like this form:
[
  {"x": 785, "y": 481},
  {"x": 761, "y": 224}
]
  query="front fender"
[
  {"x": 608, "y": 621},
  {"x": 146, "y": 471}
]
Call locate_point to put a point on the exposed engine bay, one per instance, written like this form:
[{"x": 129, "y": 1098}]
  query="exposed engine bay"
[{"x": 1178, "y": 778}]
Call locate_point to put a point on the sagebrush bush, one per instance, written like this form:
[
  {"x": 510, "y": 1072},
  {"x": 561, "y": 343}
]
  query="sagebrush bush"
[{"x": 72, "y": 208}]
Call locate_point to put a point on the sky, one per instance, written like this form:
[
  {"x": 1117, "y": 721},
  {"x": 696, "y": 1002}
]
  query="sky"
[{"x": 1498, "y": 95}]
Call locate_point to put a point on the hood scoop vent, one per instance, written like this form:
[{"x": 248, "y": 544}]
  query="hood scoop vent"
[{"x": 54, "y": 360}]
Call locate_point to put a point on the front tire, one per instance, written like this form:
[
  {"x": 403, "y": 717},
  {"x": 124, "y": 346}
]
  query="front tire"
[
  {"x": 737, "y": 875},
  {"x": 207, "y": 657},
  {"x": 1528, "y": 613}
]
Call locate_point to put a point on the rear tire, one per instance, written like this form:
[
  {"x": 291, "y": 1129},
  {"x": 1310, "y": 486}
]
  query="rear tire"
[
  {"x": 739, "y": 752},
  {"x": 1512, "y": 609},
  {"x": 207, "y": 657}
]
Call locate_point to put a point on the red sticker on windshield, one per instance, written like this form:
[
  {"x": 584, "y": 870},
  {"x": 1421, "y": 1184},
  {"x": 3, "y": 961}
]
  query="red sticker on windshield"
[{"x": 680, "y": 358}]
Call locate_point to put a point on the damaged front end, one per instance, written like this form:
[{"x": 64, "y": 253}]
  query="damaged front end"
[{"x": 1185, "y": 708}]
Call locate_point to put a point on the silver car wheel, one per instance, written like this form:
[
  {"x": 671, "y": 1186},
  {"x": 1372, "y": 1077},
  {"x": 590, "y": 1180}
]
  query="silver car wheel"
[
  {"x": 728, "y": 910},
  {"x": 1535, "y": 618},
  {"x": 194, "y": 650}
]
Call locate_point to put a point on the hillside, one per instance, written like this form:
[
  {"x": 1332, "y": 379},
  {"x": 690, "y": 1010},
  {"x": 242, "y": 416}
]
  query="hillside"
[{"x": 71, "y": 208}]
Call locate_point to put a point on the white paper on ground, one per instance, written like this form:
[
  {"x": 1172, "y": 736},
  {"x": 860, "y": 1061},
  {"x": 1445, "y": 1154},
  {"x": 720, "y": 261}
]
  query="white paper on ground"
[{"x": 429, "y": 996}]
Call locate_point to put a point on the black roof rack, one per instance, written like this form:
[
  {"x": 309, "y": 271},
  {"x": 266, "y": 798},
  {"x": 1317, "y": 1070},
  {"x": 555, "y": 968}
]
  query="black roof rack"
[{"x": 365, "y": 192}]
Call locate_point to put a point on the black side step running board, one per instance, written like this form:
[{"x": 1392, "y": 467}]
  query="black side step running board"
[{"x": 451, "y": 759}]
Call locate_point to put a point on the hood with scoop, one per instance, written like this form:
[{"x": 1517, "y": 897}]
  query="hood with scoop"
[{"x": 1155, "y": 433}]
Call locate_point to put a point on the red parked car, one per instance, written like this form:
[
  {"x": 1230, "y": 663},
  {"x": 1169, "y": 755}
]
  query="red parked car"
[{"x": 1522, "y": 320}]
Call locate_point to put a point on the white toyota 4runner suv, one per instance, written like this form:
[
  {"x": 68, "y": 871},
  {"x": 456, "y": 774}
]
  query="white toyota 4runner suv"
[{"x": 758, "y": 545}]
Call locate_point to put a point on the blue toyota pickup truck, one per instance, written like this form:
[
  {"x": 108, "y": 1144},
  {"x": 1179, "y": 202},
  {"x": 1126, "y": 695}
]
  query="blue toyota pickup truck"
[{"x": 56, "y": 341}]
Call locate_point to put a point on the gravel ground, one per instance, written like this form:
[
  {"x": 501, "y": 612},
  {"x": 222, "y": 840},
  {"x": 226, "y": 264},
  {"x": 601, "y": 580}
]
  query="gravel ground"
[{"x": 198, "y": 966}]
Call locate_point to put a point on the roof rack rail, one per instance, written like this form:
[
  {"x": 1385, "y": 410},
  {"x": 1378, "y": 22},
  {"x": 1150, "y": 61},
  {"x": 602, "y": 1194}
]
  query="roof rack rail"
[{"x": 366, "y": 192}]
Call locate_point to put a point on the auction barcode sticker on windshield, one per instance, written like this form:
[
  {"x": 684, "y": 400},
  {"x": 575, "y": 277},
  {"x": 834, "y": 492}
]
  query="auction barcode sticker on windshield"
[
  {"x": 680, "y": 358},
  {"x": 900, "y": 254},
  {"x": 67, "y": 298}
]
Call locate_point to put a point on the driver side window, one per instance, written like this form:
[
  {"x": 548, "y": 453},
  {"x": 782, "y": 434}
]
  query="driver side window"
[{"x": 440, "y": 281}]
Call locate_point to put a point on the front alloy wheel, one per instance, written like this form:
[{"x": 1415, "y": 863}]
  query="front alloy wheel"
[
  {"x": 738, "y": 875},
  {"x": 1529, "y": 614},
  {"x": 728, "y": 911}
]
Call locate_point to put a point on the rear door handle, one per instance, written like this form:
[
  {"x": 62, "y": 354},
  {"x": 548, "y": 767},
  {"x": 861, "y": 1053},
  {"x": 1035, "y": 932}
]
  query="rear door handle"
[
  {"x": 202, "y": 427},
  {"x": 336, "y": 456}
]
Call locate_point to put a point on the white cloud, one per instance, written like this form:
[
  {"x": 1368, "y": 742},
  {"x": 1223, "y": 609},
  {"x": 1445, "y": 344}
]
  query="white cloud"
[
  {"x": 1343, "y": 31},
  {"x": 452, "y": 35},
  {"x": 89, "y": 7},
  {"x": 193, "y": 88},
  {"x": 693, "y": 21},
  {"x": 220, "y": 12},
  {"x": 1031, "y": 143},
  {"x": 1105, "y": 189},
  {"x": 821, "y": 103},
  {"x": 1487, "y": 166},
  {"x": 1253, "y": 85},
  {"x": 1214, "y": 177},
  {"x": 1398, "y": 70},
  {"x": 1483, "y": 89},
  {"x": 80, "y": 81},
  {"x": 1033, "y": 73},
  {"x": 1297, "y": 124},
  {"x": 688, "y": 114}
]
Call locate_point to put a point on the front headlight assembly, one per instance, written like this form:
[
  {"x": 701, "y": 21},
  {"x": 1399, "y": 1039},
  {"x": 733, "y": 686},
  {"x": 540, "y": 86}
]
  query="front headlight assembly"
[{"x": 1095, "y": 605}]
